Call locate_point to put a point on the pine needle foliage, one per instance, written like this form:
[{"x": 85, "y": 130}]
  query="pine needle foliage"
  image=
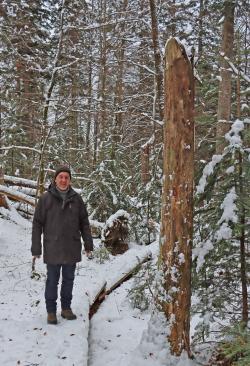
[
  {"x": 237, "y": 348},
  {"x": 101, "y": 254},
  {"x": 222, "y": 212},
  {"x": 141, "y": 294}
]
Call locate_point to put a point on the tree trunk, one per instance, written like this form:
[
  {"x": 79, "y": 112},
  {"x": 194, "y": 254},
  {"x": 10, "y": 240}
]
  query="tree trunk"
[
  {"x": 200, "y": 33},
  {"x": 225, "y": 87},
  {"x": 89, "y": 113},
  {"x": 145, "y": 154},
  {"x": 177, "y": 199},
  {"x": 101, "y": 115},
  {"x": 119, "y": 86},
  {"x": 243, "y": 264},
  {"x": 44, "y": 122},
  {"x": 157, "y": 57},
  {"x": 243, "y": 272}
]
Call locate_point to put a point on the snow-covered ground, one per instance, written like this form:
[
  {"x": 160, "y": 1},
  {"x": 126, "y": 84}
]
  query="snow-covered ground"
[
  {"x": 116, "y": 329},
  {"x": 26, "y": 338},
  {"x": 116, "y": 335}
]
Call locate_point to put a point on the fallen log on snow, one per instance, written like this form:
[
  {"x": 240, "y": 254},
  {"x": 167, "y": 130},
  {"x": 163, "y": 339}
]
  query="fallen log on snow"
[
  {"x": 126, "y": 265},
  {"x": 17, "y": 181},
  {"x": 23, "y": 182},
  {"x": 98, "y": 299},
  {"x": 17, "y": 196},
  {"x": 127, "y": 275}
]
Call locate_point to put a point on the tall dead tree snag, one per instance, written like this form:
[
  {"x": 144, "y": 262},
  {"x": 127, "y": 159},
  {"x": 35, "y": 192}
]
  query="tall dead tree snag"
[{"x": 177, "y": 196}]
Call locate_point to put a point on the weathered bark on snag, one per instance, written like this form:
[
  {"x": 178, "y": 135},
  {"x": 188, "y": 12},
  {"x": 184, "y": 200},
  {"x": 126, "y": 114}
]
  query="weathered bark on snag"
[
  {"x": 3, "y": 202},
  {"x": 225, "y": 87},
  {"x": 177, "y": 199}
]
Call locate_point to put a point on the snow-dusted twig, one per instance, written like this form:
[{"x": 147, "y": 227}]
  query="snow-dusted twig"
[
  {"x": 234, "y": 68},
  {"x": 11, "y": 147},
  {"x": 95, "y": 26}
]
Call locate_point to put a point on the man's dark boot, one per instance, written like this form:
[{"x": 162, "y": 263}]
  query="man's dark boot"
[
  {"x": 51, "y": 318},
  {"x": 68, "y": 314}
]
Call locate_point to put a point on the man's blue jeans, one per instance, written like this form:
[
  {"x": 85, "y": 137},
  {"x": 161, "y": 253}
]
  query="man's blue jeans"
[{"x": 53, "y": 275}]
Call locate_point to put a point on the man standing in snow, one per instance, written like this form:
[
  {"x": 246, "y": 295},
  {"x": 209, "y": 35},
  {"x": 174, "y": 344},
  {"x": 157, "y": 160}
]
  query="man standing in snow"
[{"x": 62, "y": 218}]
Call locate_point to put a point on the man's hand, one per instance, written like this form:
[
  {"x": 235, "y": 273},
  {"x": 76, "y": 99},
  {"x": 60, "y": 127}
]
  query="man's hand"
[
  {"x": 36, "y": 257},
  {"x": 34, "y": 261},
  {"x": 89, "y": 254}
]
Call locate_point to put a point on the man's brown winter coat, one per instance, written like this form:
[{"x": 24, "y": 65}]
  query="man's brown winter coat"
[{"x": 62, "y": 224}]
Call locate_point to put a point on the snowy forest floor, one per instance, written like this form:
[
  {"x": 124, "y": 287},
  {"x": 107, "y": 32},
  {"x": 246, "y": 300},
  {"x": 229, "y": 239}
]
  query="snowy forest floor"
[{"x": 117, "y": 334}]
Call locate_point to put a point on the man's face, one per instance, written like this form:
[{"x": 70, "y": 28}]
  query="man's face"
[{"x": 63, "y": 181}]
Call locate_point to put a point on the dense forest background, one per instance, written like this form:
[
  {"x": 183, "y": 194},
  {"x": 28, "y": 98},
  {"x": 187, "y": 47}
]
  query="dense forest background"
[{"x": 81, "y": 83}]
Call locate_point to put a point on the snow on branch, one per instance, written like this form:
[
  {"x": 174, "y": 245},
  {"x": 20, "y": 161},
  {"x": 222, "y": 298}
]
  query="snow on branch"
[
  {"x": 161, "y": 123},
  {"x": 57, "y": 68},
  {"x": 20, "y": 147},
  {"x": 200, "y": 253},
  {"x": 207, "y": 171},
  {"x": 233, "y": 136},
  {"x": 94, "y": 26},
  {"x": 143, "y": 67},
  {"x": 234, "y": 69},
  {"x": 229, "y": 207},
  {"x": 20, "y": 181},
  {"x": 223, "y": 232},
  {"x": 117, "y": 215},
  {"x": 149, "y": 142},
  {"x": 96, "y": 224},
  {"x": 235, "y": 141}
]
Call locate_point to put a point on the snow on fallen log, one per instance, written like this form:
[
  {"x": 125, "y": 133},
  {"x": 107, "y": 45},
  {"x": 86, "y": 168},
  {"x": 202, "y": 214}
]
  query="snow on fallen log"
[
  {"x": 96, "y": 290},
  {"x": 17, "y": 196},
  {"x": 25, "y": 190},
  {"x": 124, "y": 266},
  {"x": 17, "y": 181}
]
